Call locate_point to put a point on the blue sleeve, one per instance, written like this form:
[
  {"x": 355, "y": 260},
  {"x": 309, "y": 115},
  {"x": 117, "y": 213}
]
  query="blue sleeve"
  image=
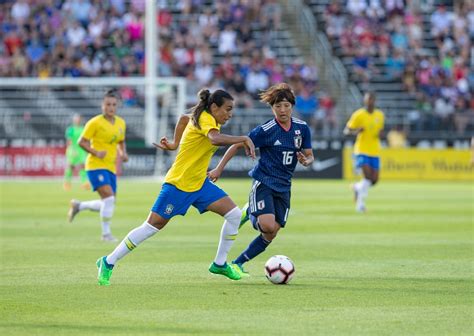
[
  {"x": 306, "y": 138},
  {"x": 257, "y": 137}
]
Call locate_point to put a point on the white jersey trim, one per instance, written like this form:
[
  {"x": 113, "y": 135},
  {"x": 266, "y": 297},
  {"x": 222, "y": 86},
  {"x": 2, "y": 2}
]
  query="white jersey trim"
[
  {"x": 298, "y": 121},
  {"x": 268, "y": 125}
]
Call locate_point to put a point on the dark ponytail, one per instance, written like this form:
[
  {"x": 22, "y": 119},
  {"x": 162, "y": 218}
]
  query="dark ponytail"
[
  {"x": 112, "y": 93},
  {"x": 206, "y": 99}
]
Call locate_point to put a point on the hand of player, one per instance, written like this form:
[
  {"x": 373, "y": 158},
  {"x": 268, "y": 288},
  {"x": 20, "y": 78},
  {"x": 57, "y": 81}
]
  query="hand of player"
[
  {"x": 214, "y": 174},
  {"x": 164, "y": 144},
  {"x": 124, "y": 157},
  {"x": 303, "y": 159},
  {"x": 249, "y": 148},
  {"x": 100, "y": 154}
]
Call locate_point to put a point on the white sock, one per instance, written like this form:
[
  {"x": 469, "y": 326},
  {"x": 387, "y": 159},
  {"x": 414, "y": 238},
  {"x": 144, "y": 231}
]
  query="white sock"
[
  {"x": 132, "y": 240},
  {"x": 90, "y": 205},
  {"x": 229, "y": 231},
  {"x": 365, "y": 185},
  {"x": 106, "y": 213}
]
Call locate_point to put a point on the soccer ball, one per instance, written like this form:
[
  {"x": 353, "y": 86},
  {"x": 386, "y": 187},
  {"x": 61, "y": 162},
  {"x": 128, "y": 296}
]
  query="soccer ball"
[{"x": 279, "y": 269}]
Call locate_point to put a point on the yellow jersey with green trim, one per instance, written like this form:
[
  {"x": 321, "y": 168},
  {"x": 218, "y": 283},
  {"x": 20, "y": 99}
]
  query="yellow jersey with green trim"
[
  {"x": 368, "y": 141},
  {"x": 189, "y": 169},
  {"x": 104, "y": 136}
]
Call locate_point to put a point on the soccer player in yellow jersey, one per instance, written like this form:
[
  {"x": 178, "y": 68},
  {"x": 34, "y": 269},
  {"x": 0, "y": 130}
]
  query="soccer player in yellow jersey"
[
  {"x": 187, "y": 183},
  {"x": 103, "y": 138},
  {"x": 368, "y": 124}
]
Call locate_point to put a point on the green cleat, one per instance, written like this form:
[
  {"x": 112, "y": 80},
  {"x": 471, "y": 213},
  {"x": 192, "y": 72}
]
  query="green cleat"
[
  {"x": 240, "y": 269},
  {"x": 225, "y": 270},
  {"x": 104, "y": 273},
  {"x": 245, "y": 214}
]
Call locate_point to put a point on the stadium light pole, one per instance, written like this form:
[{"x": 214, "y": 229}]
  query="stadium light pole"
[{"x": 151, "y": 45}]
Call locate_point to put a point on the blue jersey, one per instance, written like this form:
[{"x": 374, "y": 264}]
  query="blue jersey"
[{"x": 278, "y": 149}]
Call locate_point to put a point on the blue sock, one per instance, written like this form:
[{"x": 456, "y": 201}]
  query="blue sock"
[{"x": 257, "y": 246}]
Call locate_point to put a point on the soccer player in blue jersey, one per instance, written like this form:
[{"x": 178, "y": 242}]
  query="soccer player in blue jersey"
[
  {"x": 283, "y": 141},
  {"x": 186, "y": 183}
]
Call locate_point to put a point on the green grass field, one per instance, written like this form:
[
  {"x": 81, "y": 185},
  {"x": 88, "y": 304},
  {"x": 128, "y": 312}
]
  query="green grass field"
[{"x": 404, "y": 268}]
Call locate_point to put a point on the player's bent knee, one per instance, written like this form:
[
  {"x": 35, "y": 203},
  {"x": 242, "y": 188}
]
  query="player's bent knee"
[{"x": 234, "y": 215}]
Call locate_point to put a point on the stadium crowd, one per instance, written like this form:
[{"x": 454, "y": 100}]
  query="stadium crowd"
[
  {"x": 222, "y": 45},
  {"x": 441, "y": 80}
]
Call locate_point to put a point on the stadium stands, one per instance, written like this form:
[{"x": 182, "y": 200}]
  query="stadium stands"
[{"x": 415, "y": 54}]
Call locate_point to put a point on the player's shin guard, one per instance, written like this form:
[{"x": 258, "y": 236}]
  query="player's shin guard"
[
  {"x": 229, "y": 232},
  {"x": 257, "y": 246},
  {"x": 106, "y": 213},
  {"x": 132, "y": 240}
]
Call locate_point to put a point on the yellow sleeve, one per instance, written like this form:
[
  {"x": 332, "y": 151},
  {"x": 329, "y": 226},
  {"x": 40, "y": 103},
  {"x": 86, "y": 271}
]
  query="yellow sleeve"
[
  {"x": 207, "y": 122},
  {"x": 354, "y": 121},
  {"x": 89, "y": 129},
  {"x": 122, "y": 138}
]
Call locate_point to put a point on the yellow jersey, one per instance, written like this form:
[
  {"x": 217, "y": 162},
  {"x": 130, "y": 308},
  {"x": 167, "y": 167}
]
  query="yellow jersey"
[
  {"x": 368, "y": 141},
  {"x": 104, "y": 136},
  {"x": 189, "y": 169}
]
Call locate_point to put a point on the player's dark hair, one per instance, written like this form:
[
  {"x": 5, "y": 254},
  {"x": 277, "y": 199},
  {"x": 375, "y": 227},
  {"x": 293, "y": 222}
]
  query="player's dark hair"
[
  {"x": 278, "y": 93},
  {"x": 112, "y": 93},
  {"x": 206, "y": 99}
]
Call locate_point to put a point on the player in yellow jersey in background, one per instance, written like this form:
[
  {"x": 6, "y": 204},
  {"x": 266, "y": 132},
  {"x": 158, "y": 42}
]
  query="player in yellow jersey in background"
[
  {"x": 187, "y": 183},
  {"x": 368, "y": 124},
  {"x": 103, "y": 138}
]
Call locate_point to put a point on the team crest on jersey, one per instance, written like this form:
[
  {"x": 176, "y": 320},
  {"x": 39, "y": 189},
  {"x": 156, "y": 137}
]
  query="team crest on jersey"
[
  {"x": 297, "y": 132},
  {"x": 261, "y": 205},
  {"x": 169, "y": 209},
  {"x": 298, "y": 141}
]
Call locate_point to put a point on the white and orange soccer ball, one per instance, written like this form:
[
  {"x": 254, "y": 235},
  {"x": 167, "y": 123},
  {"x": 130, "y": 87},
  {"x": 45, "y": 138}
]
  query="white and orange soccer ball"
[{"x": 279, "y": 269}]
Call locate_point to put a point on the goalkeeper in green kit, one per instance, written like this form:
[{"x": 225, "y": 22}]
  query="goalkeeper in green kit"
[{"x": 75, "y": 155}]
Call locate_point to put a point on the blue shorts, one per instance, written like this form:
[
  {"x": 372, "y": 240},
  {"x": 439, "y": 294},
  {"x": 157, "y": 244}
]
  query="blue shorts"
[
  {"x": 171, "y": 201},
  {"x": 372, "y": 161},
  {"x": 101, "y": 177},
  {"x": 264, "y": 200}
]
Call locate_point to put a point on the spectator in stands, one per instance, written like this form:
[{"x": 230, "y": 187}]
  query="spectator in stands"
[
  {"x": 395, "y": 65},
  {"x": 363, "y": 67},
  {"x": 335, "y": 20},
  {"x": 330, "y": 124},
  {"x": 396, "y": 137},
  {"x": 270, "y": 14},
  {"x": 306, "y": 107},
  {"x": 256, "y": 81},
  {"x": 441, "y": 21}
]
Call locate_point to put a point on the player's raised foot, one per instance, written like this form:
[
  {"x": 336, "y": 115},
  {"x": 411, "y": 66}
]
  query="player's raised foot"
[
  {"x": 240, "y": 269},
  {"x": 86, "y": 186},
  {"x": 245, "y": 215},
  {"x": 109, "y": 238},
  {"x": 354, "y": 190},
  {"x": 73, "y": 210},
  {"x": 104, "y": 272},
  {"x": 67, "y": 186},
  {"x": 360, "y": 208},
  {"x": 225, "y": 270}
]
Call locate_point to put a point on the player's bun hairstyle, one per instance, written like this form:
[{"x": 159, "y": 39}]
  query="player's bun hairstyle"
[
  {"x": 112, "y": 93},
  {"x": 277, "y": 93},
  {"x": 206, "y": 99}
]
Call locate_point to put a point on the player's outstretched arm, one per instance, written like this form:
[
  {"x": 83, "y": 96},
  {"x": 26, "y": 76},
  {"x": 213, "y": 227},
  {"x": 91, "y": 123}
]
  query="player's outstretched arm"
[
  {"x": 215, "y": 173},
  {"x": 218, "y": 139},
  {"x": 165, "y": 144}
]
